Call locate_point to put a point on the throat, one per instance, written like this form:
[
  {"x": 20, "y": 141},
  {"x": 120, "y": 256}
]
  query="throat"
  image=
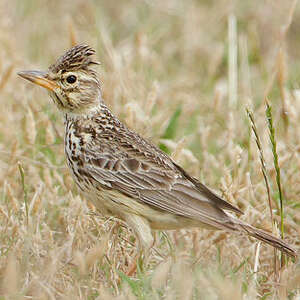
[{"x": 86, "y": 114}]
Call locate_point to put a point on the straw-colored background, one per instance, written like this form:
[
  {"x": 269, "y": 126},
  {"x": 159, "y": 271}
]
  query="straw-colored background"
[{"x": 165, "y": 70}]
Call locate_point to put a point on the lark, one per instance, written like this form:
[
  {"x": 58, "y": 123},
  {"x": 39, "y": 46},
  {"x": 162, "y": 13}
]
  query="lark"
[{"x": 122, "y": 173}]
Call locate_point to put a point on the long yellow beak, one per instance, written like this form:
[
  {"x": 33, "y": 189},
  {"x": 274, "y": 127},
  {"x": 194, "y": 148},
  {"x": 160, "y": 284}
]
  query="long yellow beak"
[{"x": 39, "y": 78}]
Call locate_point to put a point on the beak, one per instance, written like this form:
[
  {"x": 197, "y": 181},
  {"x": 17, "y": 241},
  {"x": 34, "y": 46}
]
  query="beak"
[{"x": 39, "y": 78}]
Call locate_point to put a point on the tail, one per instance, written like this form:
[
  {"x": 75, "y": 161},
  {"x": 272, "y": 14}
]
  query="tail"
[{"x": 266, "y": 237}]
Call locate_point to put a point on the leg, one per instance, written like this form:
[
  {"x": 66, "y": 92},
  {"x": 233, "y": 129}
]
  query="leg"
[{"x": 141, "y": 228}]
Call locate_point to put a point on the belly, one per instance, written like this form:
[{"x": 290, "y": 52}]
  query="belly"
[{"x": 112, "y": 202}]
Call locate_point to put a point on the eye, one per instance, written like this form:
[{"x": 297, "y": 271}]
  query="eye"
[{"x": 71, "y": 79}]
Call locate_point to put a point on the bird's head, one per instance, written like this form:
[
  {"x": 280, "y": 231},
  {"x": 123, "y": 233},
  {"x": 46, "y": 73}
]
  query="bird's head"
[{"x": 72, "y": 83}]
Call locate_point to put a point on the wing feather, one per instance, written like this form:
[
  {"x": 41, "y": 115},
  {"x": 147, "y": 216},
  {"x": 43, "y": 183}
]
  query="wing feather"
[
  {"x": 148, "y": 175},
  {"x": 164, "y": 190}
]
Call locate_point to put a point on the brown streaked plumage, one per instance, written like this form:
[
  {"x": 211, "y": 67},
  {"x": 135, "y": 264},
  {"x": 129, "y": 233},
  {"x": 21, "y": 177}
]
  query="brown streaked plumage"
[{"x": 122, "y": 173}]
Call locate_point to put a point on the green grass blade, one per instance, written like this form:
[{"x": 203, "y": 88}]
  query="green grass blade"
[
  {"x": 171, "y": 129},
  {"x": 276, "y": 164}
]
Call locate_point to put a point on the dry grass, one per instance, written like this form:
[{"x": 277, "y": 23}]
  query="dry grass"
[{"x": 165, "y": 66}]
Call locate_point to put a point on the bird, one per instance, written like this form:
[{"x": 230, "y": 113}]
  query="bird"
[{"x": 124, "y": 174}]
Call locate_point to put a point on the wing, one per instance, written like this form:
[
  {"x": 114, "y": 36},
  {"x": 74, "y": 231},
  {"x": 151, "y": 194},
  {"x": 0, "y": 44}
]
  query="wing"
[{"x": 128, "y": 163}]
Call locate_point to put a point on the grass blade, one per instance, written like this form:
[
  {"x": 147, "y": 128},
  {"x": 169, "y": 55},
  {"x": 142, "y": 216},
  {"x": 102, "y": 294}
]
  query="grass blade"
[
  {"x": 171, "y": 129},
  {"x": 276, "y": 164},
  {"x": 21, "y": 170},
  {"x": 264, "y": 172}
]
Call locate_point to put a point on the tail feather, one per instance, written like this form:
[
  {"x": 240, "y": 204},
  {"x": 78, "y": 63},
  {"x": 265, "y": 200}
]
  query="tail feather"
[{"x": 267, "y": 238}]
